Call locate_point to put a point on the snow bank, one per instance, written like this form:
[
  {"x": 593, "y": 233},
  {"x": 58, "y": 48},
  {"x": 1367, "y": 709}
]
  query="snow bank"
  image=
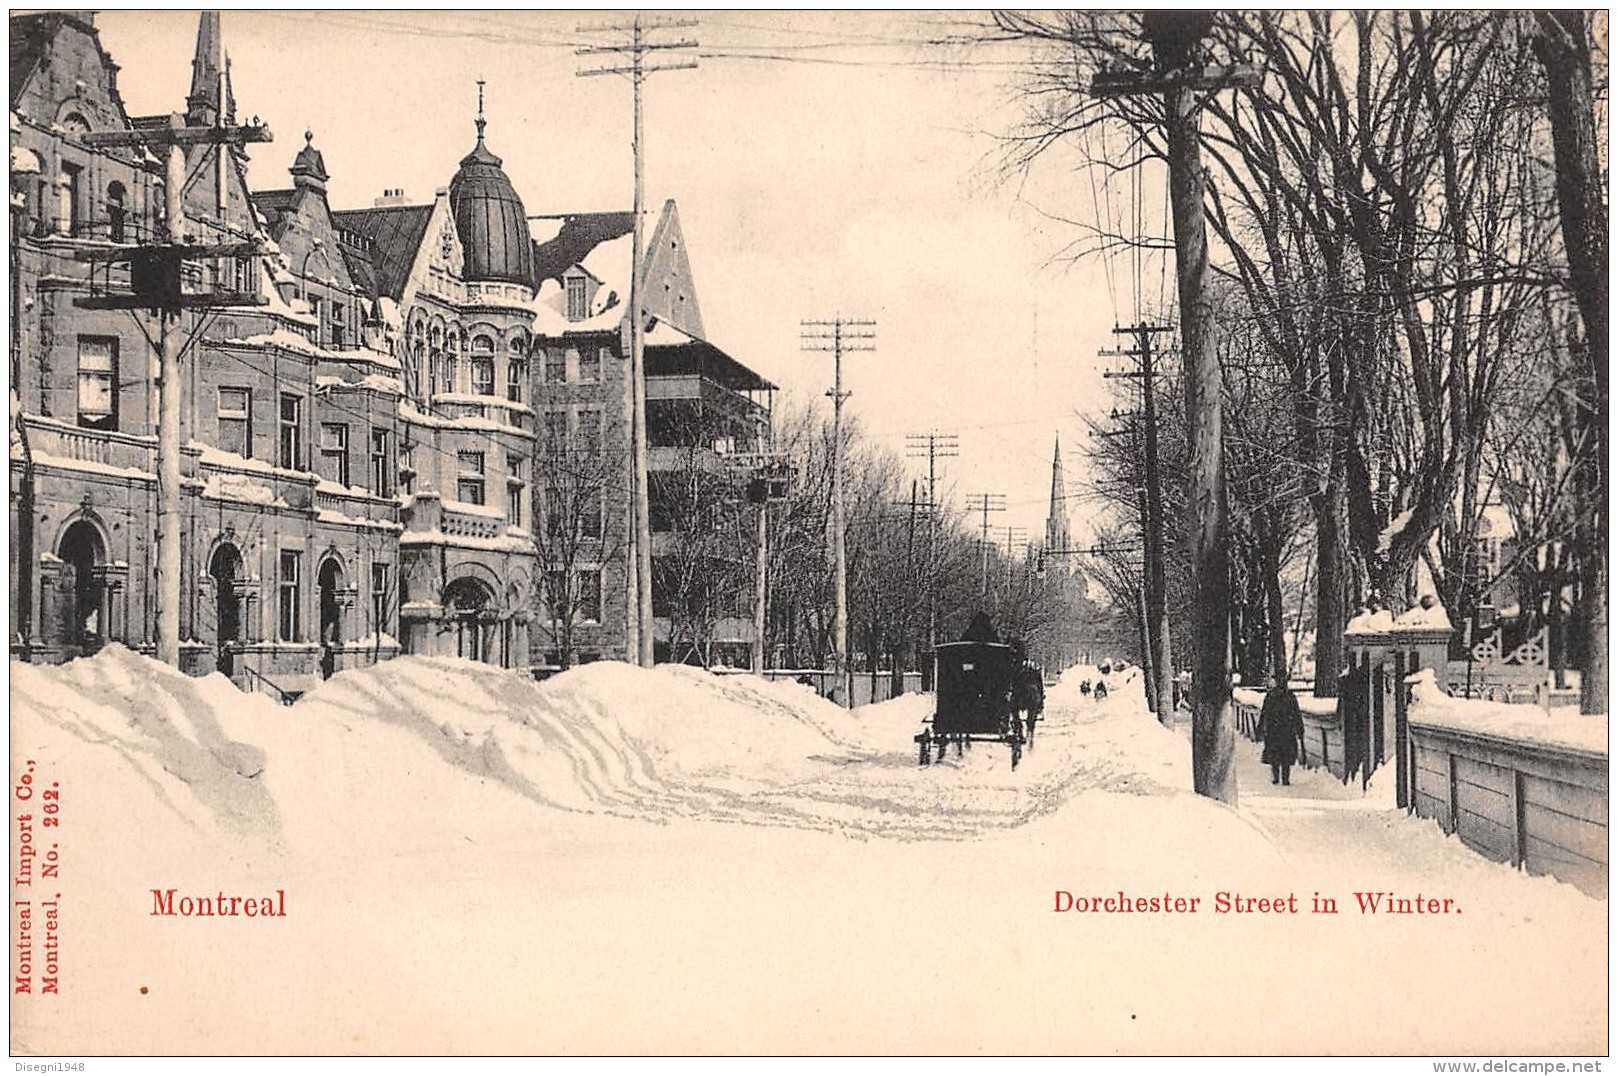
[
  {"x": 154, "y": 739},
  {"x": 1560, "y": 727},
  {"x": 485, "y": 849}
]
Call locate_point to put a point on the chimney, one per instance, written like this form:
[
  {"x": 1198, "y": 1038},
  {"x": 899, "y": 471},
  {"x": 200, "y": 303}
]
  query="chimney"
[{"x": 391, "y": 197}]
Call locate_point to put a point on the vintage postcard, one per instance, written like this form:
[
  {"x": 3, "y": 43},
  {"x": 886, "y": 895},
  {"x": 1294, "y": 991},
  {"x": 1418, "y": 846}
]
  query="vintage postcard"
[{"x": 803, "y": 532}]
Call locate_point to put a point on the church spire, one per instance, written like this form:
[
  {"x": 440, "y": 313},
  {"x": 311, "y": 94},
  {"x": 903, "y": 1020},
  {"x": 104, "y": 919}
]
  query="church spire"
[
  {"x": 1057, "y": 535},
  {"x": 202, "y": 105}
]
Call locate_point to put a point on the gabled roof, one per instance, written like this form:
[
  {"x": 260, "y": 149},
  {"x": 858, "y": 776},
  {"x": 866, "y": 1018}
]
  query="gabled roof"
[
  {"x": 396, "y": 234},
  {"x": 579, "y": 234},
  {"x": 272, "y": 206},
  {"x": 672, "y": 352},
  {"x": 31, "y": 37}
]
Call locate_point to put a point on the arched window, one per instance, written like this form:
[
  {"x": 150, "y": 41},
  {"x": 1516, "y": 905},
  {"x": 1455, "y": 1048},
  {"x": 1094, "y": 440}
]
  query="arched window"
[
  {"x": 25, "y": 182},
  {"x": 516, "y": 374},
  {"x": 418, "y": 360},
  {"x": 482, "y": 345},
  {"x": 482, "y": 375}
]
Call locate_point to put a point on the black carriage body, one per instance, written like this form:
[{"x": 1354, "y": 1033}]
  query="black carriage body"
[{"x": 974, "y": 685}]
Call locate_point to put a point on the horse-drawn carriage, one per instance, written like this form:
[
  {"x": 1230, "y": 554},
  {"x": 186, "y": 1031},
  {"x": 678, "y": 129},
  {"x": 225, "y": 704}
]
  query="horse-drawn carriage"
[{"x": 975, "y": 685}]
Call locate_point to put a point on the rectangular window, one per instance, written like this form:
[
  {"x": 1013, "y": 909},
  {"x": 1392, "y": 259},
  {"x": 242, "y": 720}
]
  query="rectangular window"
[
  {"x": 516, "y": 372},
  {"x": 98, "y": 382},
  {"x": 469, "y": 486},
  {"x": 556, "y": 596},
  {"x": 318, "y": 332},
  {"x": 483, "y": 376},
  {"x": 590, "y": 433},
  {"x": 379, "y": 597},
  {"x": 236, "y": 421},
  {"x": 407, "y": 468},
  {"x": 555, "y": 513},
  {"x": 590, "y": 359},
  {"x": 290, "y": 622},
  {"x": 291, "y": 456},
  {"x": 381, "y": 473},
  {"x": 587, "y": 600},
  {"x": 556, "y": 365},
  {"x": 69, "y": 221},
  {"x": 590, "y": 513},
  {"x": 555, "y": 432},
  {"x": 516, "y": 489},
  {"x": 338, "y": 324},
  {"x": 334, "y": 451},
  {"x": 576, "y": 308}
]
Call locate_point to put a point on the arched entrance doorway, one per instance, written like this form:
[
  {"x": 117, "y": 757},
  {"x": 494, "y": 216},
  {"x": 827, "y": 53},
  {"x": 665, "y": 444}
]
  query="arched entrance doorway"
[
  {"x": 226, "y": 570},
  {"x": 466, "y": 604},
  {"x": 330, "y": 582},
  {"x": 82, "y": 551}
]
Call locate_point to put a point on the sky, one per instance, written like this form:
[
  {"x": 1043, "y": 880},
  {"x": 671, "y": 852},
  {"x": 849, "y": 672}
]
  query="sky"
[{"x": 848, "y": 173}]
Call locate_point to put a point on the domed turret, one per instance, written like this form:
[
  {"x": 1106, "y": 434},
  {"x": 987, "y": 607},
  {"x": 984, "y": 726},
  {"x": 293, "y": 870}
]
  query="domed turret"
[{"x": 490, "y": 219}]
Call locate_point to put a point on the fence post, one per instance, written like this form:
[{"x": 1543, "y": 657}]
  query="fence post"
[{"x": 1421, "y": 639}]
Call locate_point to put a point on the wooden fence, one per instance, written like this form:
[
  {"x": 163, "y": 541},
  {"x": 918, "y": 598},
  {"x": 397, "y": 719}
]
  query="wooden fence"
[{"x": 1539, "y": 806}]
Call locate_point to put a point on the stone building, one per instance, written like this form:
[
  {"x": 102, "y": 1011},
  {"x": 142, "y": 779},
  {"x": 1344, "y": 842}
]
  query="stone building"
[{"x": 383, "y": 452}]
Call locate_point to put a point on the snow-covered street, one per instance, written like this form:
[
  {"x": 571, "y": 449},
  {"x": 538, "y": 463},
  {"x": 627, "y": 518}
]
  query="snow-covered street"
[{"x": 664, "y": 860}]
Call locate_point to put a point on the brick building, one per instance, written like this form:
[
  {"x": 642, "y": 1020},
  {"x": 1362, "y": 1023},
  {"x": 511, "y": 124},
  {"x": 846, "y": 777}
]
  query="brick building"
[{"x": 413, "y": 441}]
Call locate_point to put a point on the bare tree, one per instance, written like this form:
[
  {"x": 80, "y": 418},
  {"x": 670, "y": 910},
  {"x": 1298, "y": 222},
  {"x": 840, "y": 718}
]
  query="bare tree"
[
  {"x": 580, "y": 499},
  {"x": 1565, "y": 49}
]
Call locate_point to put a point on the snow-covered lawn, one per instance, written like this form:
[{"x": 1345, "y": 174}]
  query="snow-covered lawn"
[{"x": 662, "y": 860}]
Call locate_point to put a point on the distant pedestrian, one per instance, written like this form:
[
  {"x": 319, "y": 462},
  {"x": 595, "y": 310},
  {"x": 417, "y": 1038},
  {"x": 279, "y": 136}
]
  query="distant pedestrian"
[
  {"x": 1280, "y": 726},
  {"x": 1084, "y": 688},
  {"x": 1101, "y": 690}
]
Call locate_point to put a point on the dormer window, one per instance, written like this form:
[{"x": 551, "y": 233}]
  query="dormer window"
[{"x": 577, "y": 308}]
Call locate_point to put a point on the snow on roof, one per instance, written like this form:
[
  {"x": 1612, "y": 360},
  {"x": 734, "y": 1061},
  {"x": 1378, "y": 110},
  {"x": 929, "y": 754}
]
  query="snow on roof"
[
  {"x": 1563, "y": 727},
  {"x": 436, "y": 536},
  {"x": 69, "y": 463},
  {"x": 1430, "y": 616},
  {"x": 1495, "y": 522},
  {"x": 211, "y": 456},
  {"x": 410, "y": 413},
  {"x": 291, "y": 341},
  {"x": 330, "y": 515},
  {"x": 227, "y": 486},
  {"x": 374, "y": 382},
  {"x": 1372, "y": 622}
]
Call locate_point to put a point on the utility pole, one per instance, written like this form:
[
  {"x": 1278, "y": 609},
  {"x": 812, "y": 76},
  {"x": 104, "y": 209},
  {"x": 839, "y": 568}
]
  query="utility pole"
[
  {"x": 769, "y": 480},
  {"x": 986, "y": 503},
  {"x": 837, "y": 336},
  {"x": 935, "y": 446},
  {"x": 1161, "y": 665},
  {"x": 155, "y": 276},
  {"x": 1014, "y": 536},
  {"x": 636, "y": 49},
  {"x": 1177, "y": 39}
]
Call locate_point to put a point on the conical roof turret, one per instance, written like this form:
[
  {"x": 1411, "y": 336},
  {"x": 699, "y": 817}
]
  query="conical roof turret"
[{"x": 490, "y": 218}]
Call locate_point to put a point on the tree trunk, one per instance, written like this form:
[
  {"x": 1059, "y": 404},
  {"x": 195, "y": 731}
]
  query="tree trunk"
[
  {"x": 1213, "y": 737},
  {"x": 1564, "y": 49},
  {"x": 1330, "y": 618}
]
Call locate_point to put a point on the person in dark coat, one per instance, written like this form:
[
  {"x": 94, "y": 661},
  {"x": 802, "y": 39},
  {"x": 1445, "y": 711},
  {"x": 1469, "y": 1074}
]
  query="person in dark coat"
[
  {"x": 980, "y": 630},
  {"x": 1280, "y": 726}
]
